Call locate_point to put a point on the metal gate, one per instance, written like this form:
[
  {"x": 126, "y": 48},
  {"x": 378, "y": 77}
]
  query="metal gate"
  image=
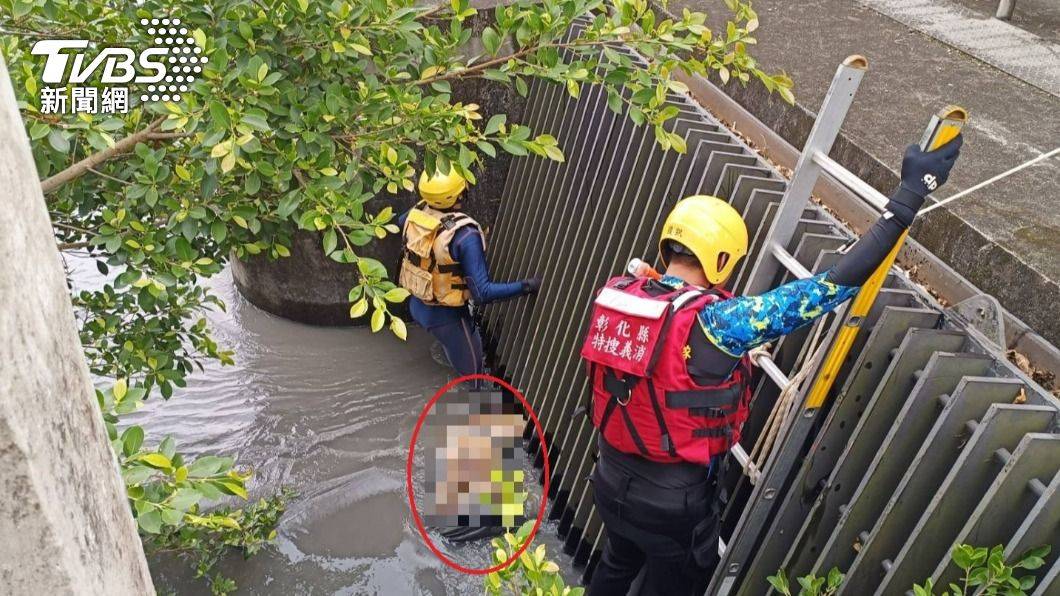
[{"x": 929, "y": 436}]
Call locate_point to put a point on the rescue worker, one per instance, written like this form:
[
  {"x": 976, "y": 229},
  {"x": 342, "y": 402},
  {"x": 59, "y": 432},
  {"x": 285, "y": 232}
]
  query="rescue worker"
[
  {"x": 444, "y": 268},
  {"x": 669, "y": 370}
]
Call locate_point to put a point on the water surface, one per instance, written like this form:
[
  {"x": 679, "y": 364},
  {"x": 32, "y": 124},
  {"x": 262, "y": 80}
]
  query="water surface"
[{"x": 328, "y": 412}]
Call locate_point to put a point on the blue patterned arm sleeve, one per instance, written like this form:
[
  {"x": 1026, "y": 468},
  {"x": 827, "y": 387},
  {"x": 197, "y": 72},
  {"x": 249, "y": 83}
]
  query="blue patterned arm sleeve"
[{"x": 745, "y": 322}]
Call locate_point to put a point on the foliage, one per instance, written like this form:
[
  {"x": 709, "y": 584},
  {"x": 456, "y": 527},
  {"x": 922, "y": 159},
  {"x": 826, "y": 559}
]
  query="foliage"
[
  {"x": 987, "y": 573},
  {"x": 305, "y": 111},
  {"x": 246, "y": 530},
  {"x": 530, "y": 573},
  {"x": 809, "y": 585}
]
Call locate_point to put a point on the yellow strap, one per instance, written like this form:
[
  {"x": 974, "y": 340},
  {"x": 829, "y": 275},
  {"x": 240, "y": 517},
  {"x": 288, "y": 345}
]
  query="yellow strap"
[
  {"x": 845, "y": 338},
  {"x": 424, "y": 220}
]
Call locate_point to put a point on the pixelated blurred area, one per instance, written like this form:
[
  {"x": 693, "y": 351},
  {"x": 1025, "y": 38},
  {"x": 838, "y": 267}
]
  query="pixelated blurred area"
[{"x": 473, "y": 448}]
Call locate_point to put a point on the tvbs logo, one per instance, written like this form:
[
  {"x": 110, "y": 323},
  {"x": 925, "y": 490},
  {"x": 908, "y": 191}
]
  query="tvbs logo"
[{"x": 168, "y": 68}]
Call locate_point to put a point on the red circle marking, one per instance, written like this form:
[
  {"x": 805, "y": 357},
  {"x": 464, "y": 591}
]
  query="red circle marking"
[{"x": 412, "y": 496}]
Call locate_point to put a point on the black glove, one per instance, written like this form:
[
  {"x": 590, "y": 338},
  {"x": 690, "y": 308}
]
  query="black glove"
[
  {"x": 532, "y": 285},
  {"x": 925, "y": 171},
  {"x": 922, "y": 172}
]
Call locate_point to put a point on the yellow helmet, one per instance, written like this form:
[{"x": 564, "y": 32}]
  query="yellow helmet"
[
  {"x": 442, "y": 190},
  {"x": 708, "y": 227}
]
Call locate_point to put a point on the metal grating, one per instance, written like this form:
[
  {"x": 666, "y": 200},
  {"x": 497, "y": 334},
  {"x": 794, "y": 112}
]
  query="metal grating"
[{"x": 924, "y": 413}]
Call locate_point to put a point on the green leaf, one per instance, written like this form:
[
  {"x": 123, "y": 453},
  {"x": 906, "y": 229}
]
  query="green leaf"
[
  {"x": 396, "y": 295},
  {"x": 172, "y": 517},
  {"x": 331, "y": 240},
  {"x": 574, "y": 88},
  {"x": 495, "y": 123},
  {"x": 397, "y": 326},
  {"x": 513, "y": 148},
  {"x": 371, "y": 267},
  {"x": 486, "y": 148},
  {"x": 378, "y": 318},
  {"x": 121, "y": 387},
  {"x": 219, "y": 115},
  {"x": 168, "y": 447},
  {"x": 231, "y": 487},
  {"x": 256, "y": 120},
  {"x": 132, "y": 439},
  {"x": 962, "y": 556},
  {"x": 208, "y": 465},
  {"x": 57, "y": 139},
  {"x": 554, "y": 153},
  {"x": 21, "y": 8},
  {"x": 218, "y": 231},
  {"x": 1031, "y": 563},
  {"x": 359, "y": 308},
  {"x": 288, "y": 204},
  {"x": 136, "y": 474},
  {"x": 156, "y": 460},
  {"x": 780, "y": 583},
  {"x": 38, "y": 130},
  {"x": 491, "y": 40},
  {"x": 150, "y": 522}
]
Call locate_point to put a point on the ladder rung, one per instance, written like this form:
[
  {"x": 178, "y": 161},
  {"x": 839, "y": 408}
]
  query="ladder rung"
[
  {"x": 744, "y": 460},
  {"x": 849, "y": 180},
  {"x": 790, "y": 262},
  {"x": 765, "y": 362}
]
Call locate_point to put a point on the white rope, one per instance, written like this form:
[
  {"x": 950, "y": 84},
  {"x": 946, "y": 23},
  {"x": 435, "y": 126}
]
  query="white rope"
[
  {"x": 783, "y": 408},
  {"x": 1005, "y": 174}
]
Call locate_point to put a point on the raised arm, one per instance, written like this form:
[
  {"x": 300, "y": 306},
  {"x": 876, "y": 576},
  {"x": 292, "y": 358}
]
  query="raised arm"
[{"x": 740, "y": 324}]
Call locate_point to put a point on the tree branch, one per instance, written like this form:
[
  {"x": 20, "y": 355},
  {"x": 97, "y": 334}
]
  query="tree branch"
[
  {"x": 74, "y": 245},
  {"x": 79, "y": 169}
]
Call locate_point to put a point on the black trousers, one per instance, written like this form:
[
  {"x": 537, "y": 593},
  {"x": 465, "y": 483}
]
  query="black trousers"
[{"x": 671, "y": 532}]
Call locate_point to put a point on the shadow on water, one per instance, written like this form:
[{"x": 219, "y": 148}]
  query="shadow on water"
[{"x": 328, "y": 412}]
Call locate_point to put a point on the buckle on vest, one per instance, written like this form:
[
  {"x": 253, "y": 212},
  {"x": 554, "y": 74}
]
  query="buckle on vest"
[{"x": 620, "y": 390}]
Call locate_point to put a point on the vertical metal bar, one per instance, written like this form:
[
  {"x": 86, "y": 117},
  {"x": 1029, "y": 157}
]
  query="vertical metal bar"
[{"x": 552, "y": 236}]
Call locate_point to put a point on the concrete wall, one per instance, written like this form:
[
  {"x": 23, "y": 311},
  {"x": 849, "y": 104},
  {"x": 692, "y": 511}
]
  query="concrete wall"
[{"x": 64, "y": 520}]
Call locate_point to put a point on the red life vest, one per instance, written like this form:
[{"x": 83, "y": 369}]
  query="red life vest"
[{"x": 644, "y": 400}]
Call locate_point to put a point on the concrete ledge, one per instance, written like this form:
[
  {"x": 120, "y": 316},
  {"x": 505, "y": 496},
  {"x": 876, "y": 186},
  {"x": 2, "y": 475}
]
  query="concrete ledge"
[
  {"x": 924, "y": 266},
  {"x": 1001, "y": 239}
]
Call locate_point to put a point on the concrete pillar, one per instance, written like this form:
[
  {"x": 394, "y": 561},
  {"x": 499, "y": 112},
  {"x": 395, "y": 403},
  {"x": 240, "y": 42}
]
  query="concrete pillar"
[{"x": 64, "y": 520}]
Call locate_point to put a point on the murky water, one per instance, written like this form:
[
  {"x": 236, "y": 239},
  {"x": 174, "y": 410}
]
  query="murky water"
[{"x": 328, "y": 412}]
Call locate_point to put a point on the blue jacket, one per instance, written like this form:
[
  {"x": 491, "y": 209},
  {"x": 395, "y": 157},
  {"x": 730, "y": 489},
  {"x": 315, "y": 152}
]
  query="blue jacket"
[{"x": 467, "y": 250}]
